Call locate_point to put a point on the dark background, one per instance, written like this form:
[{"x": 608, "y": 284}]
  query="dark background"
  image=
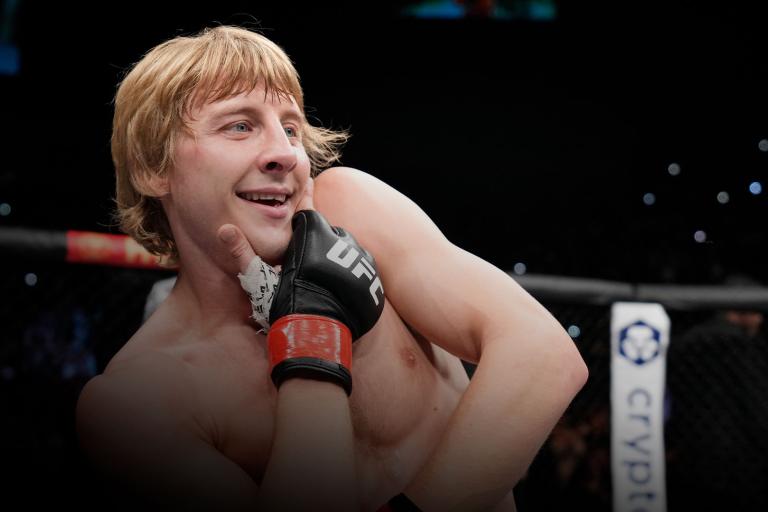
[{"x": 525, "y": 141}]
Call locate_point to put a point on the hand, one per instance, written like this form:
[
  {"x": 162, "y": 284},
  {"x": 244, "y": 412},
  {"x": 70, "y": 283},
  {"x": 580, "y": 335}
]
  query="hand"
[
  {"x": 327, "y": 273},
  {"x": 329, "y": 295}
]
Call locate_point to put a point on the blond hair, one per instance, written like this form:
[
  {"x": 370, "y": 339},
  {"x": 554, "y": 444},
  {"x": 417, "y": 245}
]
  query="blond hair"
[{"x": 155, "y": 97}]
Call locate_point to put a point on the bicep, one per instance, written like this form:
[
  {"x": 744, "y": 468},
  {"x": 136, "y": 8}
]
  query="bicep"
[
  {"x": 139, "y": 447},
  {"x": 454, "y": 298}
]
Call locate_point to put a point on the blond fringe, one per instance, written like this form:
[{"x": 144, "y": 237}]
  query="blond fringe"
[{"x": 156, "y": 95}]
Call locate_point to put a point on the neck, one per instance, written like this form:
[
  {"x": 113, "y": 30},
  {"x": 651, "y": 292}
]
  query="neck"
[{"x": 207, "y": 298}]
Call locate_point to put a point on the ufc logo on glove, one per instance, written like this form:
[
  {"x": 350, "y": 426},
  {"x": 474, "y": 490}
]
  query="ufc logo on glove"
[
  {"x": 362, "y": 267},
  {"x": 318, "y": 309}
]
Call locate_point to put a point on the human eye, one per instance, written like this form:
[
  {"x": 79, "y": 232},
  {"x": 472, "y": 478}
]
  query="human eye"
[
  {"x": 291, "y": 131},
  {"x": 240, "y": 127}
]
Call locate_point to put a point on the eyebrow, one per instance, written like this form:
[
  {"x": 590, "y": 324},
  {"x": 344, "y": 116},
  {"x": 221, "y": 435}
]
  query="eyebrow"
[{"x": 289, "y": 113}]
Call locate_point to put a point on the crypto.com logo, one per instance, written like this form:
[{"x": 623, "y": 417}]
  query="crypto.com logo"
[{"x": 639, "y": 342}]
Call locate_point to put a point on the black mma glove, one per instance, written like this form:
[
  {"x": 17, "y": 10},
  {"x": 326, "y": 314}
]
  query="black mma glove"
[{"x": 329, "y": 295}]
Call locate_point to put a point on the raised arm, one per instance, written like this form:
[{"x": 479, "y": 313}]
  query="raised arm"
[
  {"x": 143, "y": 423},
  {"x": 528, "y": 368}
]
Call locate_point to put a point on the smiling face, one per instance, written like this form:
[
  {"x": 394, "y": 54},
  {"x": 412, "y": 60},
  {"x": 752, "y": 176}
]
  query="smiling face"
[
  {"x": 241, "y": 160},
  {"x": 163, "y": 115}
]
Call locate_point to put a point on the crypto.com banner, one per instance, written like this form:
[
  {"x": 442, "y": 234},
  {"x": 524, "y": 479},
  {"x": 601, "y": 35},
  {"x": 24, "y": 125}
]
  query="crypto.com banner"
[{"x": 639, "y": 340}]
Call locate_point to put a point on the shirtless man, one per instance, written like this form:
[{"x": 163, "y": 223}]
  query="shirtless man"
[{"x": 186, "y": 413}]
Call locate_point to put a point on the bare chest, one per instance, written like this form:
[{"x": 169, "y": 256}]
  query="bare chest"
[{"x": 404, "y": 390}]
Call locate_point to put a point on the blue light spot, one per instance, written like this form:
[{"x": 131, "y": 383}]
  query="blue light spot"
[
  {"x": 9, "y": 59},
  {"x": 649, "y": 198}
]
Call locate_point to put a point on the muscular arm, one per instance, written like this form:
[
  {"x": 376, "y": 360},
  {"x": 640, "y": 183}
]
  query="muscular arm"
[
  {"x": 137, "y": 425},
  {"x": 528, "y": 368}
]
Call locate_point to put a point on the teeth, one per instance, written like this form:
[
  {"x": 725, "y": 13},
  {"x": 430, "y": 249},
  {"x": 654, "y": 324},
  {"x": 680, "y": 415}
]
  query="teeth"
[{"x": 264, "y": 197}]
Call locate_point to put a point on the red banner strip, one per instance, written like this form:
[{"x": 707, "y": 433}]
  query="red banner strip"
[{"x": 108, "y": 249}]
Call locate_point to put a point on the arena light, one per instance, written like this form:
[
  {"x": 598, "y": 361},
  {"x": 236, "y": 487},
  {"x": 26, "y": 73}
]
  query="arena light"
[
  {"x": 755, "y": 187},
  {"x": 763, "y": 145},
  {"x": 30, "y": 279},
  {"x": 5, "y": 209},
  {"x": 673, "y": 169},
  {"x": 526, "y": 10},
  {"x": 723, "y": 197},
  {"x": 649, "y": 198},
  {"x": 519, "y": 268},
  {"x": 700, "y": 236}
]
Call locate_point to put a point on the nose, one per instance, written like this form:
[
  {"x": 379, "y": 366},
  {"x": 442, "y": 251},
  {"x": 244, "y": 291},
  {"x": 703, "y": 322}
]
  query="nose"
[{"x": 279, "y": 155}]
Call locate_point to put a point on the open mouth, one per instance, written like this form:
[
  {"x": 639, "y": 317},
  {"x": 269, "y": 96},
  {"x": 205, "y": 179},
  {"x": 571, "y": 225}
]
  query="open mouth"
[{"x": 264, "y": 199}]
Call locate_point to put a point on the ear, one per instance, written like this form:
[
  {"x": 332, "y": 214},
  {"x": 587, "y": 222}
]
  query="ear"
[{"x": 155, "y": 185}]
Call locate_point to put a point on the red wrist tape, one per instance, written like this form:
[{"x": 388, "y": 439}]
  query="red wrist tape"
[
  {"x": 317, "y": 336},
  {"x": 309, "y": 337}
]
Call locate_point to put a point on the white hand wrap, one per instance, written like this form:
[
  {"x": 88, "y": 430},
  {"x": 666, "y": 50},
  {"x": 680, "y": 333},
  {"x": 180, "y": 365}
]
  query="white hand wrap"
[{"x": 260, "y": 281}]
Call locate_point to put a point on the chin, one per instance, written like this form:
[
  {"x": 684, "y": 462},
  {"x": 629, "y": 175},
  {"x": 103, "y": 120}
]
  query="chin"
[
  {"x": 273, "y": 253},
  {"x": 272, "y": 259}
]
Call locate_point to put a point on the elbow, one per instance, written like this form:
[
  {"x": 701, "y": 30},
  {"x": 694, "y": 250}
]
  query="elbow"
[
  {"x": 579, "y": 372},
  {"x": 551, "y": 359},
  {"x": 570, "y": 365}
]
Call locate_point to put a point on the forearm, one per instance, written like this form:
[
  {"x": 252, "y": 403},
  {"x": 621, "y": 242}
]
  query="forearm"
[
  {"x": 311, "y": 465},
  {"x": 505, "y": 415}
]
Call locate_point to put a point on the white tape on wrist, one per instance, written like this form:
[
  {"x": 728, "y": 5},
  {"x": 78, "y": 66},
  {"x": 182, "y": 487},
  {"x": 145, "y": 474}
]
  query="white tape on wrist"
[{"x": 260, "y": 281}]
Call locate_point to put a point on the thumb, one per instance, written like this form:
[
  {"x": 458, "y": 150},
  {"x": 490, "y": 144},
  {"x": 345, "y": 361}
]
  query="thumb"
[
  {"x": 235, "y": 242},
  {"x": 307, "y": 200}
]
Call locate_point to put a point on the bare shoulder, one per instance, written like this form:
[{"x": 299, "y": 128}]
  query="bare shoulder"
[
  {"x": 141, "y": 400},
  {"x": 136, "y": 423},
  {"x": 127, "y": 417},
  {"x": 149, "y": 372},
  {"x": 373, "y": 211},
  {"x": 340, "y": 188}
]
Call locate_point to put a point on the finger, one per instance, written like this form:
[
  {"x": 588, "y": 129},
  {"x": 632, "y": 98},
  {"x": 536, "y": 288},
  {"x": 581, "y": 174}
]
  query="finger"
[
  {"x": 235, "y": 242},
  {"x": 307, "y": 202}
]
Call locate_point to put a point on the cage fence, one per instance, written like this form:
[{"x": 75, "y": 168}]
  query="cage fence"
[{"x": 63, "y": 321}]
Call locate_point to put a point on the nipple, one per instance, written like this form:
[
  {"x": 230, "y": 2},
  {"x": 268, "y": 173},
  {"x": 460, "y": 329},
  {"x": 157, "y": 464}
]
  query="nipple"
[{"x": 408, "y": 356}]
